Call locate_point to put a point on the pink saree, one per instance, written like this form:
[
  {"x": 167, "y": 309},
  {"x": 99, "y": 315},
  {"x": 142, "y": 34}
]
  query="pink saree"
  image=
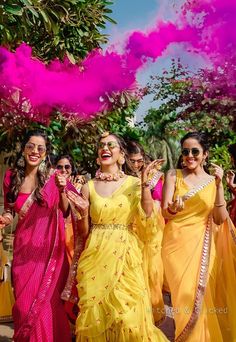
[{"x": 40, "y": 270}]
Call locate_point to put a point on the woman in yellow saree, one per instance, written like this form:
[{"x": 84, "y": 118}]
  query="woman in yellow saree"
[
  {"x": 198, "y": 256},
  {"x": 114, "y": 299}
]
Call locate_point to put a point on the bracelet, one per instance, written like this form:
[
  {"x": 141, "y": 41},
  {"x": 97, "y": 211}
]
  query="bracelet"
[
  {"x": 218, "y": 205},
  {"x": 145, "y": 184},
  {"x": 171, "y": 212}
]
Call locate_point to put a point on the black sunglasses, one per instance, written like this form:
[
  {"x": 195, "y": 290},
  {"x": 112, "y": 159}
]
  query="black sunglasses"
[
  {"x": 186, "y": 151},
  {"x": 60, "y": 167}
]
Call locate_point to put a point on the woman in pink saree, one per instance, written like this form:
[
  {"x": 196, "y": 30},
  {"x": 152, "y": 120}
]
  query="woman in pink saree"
[{"x": 39, "y": 260}]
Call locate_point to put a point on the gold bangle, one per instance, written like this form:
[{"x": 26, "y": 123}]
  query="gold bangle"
[
  {"x": 218, "y": 205},
  {"x": 145, "y": 184}
]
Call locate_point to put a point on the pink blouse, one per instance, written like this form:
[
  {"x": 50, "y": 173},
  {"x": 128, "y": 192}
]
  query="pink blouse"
[{"x": 157, "y": 191}]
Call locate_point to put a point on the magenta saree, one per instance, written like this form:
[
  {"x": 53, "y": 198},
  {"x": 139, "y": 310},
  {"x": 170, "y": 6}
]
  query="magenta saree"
[{"x": 40, "y": 270}]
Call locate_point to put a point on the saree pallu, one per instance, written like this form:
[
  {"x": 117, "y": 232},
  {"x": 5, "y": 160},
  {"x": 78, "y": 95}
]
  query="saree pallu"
[
  {"x": 199, "y": 263},
  {"x": 40, "y": 270}
]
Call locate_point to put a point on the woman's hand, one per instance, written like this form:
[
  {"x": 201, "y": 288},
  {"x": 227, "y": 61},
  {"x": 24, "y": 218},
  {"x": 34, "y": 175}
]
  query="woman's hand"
[
  {"x": 218, "y": 173},
  {"x": 3, "y": 222},
  {"x": 60, "y": 181},
  {"x": 79, "y": 201},
  {"x": 230, "y": 176},
  {"x": 177, "y": 205},
  {"x": 148, "y": 170}
]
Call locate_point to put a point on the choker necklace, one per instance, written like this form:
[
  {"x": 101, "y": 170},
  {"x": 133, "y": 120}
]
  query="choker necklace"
[{"x": 109, "y": 176}]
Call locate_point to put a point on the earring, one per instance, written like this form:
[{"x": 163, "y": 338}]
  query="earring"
[
  {"x": 203, "y": 163},
  {"x": 42, "y": 166},
  {"x": 21, "y": 162},
  {"x": 98, "y": 161},
  {"x": 121, "y": 160}
]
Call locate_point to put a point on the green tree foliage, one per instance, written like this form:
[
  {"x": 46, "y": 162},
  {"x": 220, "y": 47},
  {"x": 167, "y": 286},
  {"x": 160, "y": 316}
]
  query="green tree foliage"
[
  {"x": 54, "y": 28},
  {"x": 78, "y": 138},
  {"x": 187, "y": 102}
]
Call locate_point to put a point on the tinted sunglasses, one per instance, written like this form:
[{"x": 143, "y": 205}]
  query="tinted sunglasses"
[
  {"x": 31, "y": 147},
  {"x": 186, "y": 151},
  {"x": 66, "y": 167},
  {"x": 109, "y": 144}
]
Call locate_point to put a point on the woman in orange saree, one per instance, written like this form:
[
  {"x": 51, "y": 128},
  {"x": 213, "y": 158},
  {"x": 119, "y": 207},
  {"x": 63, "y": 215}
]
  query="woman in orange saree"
[{"x": 199, "y": 248}]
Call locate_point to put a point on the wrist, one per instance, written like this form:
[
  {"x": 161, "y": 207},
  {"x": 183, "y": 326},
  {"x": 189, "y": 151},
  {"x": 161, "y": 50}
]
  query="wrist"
[
  {"x": 145, "y": 184},
  {"x": 171, "y": 212}
]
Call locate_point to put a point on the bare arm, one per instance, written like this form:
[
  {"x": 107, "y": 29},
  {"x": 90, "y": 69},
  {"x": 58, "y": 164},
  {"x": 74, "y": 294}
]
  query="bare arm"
[
  {"x": 81, "y": 204},
  {"x": 220, "y": 212},
  {"x": 168, "y": 194},
  {"x": 146, "y": 195},
  {"x": 63, "y": 203}
]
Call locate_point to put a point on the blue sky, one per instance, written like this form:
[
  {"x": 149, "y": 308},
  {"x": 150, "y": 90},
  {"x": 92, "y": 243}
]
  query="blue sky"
[{"x": 141, "y": 14}]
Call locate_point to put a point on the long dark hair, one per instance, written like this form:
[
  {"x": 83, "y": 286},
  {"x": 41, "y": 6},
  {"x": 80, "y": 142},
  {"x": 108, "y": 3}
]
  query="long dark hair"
[{"x": 18, "y": 171}]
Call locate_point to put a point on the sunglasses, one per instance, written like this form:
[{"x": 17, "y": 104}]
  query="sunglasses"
[
  {"x": 109, "y": 144},
  {"x": 30, "y": 147},
  {"x": 186, "y": 151},
  {"x": 66, "y": 167}
]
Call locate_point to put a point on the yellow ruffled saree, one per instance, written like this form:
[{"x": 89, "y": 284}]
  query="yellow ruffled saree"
[
  {"x": 115, "y": 303},
  {"x": 199, "y": 263}
]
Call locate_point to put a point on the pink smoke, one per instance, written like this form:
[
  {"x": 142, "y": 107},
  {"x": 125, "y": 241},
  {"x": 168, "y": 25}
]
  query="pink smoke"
[{"x": 84, "y": 90}]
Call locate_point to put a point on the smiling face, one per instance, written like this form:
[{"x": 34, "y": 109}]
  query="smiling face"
[
  {"x": 35, "y": 151},
  {"x": 65, "y": 167},
  {"x": 136, "y": 161},
  {"x": 109, "y": 151},
  {"x": 192, "y": 153}
]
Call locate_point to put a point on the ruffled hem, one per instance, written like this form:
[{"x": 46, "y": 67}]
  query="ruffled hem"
[{"x": 118, "y": 333}]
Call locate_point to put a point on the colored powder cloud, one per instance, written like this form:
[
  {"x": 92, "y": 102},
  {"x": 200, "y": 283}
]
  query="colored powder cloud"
[{"x": 206, "y": 26}]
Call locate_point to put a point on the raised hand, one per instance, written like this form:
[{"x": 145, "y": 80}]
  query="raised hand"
[
  {"x": 79, "y": 201},
  {"x": 60, "y": 181},
  {"x": 217, "y": 172},
  {"x": 148, "y": 170},
  {"x": 177, "y": 205},
  {"x": 230, "y": 176}
]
